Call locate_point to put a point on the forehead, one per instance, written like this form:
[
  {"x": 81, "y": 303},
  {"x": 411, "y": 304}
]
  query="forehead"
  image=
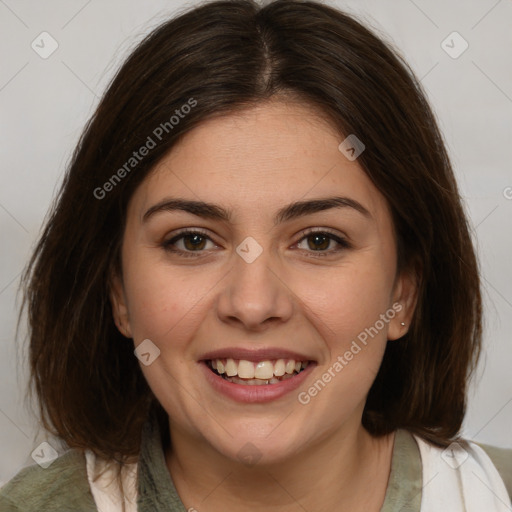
[{"x": 257, "y": 160}]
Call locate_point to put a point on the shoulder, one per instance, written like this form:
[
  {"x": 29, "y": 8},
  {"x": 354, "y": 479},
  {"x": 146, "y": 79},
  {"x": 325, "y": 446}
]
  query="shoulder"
[
  {"x": 63, "y": 486},
  {"x": 502, "y": 459}
]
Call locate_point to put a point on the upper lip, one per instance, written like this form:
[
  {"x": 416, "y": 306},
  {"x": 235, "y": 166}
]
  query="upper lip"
[{"x": 254, "y": 355}]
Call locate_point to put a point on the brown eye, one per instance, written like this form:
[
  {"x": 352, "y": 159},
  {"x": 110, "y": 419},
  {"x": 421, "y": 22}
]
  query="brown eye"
[
  {"x": 322, "y": 242},
  {"x": 194, "y": 242},
  {"x": 188, "y": 242},
  {"x": 318, "y": 241}
]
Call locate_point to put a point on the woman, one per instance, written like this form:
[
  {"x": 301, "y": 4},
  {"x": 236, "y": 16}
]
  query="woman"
[{"x": 257, "y": 289}]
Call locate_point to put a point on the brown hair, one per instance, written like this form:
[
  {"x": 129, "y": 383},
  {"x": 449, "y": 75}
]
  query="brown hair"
[{"x": 225, "y": 56}]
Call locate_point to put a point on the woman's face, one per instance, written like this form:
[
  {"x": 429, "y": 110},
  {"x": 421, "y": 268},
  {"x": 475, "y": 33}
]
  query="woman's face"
[{"x": 279, "y": 274}]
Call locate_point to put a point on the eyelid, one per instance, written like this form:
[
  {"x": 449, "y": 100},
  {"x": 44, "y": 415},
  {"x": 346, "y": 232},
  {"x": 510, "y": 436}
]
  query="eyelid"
[
  {"x": 168, "y": 243},
  {"x": 319, "y": 229},
  {"x": 341, "y": 240},
  {"x": 189, "y": 231}
]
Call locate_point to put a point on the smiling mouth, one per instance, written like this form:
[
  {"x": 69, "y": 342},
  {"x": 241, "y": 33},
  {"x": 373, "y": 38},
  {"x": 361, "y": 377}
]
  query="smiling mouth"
[{"x": 249, "y": 373}]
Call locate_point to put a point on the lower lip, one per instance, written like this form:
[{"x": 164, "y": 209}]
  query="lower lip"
[{"x": 258, "y": 393}]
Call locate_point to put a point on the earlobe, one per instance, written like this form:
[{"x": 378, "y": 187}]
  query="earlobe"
[
  {"x": 406, "y": 295},
  {"x": 119, "y": 307}
]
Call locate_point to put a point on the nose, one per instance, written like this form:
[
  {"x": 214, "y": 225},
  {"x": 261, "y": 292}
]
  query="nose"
[{"x": 255, "y": 295}]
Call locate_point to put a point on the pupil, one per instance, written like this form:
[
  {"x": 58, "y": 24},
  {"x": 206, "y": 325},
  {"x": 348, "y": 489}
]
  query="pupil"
[
  {"x": 319, "y": 242},
  {"x": 194, "y": 242}
]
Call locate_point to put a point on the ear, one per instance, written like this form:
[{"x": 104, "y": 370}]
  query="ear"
[
  {"x": 119, "y": 306},
  {"x": 405, "y": 293}
]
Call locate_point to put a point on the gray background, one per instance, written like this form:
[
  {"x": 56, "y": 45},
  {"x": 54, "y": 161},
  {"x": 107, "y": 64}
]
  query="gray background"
[{"x": 45, "y": 103}]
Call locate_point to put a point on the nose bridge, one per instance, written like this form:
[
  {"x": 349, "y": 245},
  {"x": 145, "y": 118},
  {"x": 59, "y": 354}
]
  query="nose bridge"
[{"x": 254, "y": 293}]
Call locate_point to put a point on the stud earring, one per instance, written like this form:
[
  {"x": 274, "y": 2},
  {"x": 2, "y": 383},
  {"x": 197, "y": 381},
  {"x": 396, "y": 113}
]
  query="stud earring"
[{"x": 402, "y": 324}]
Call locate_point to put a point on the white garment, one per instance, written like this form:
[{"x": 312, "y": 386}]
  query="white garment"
[
  {"x": 457, "y": 479},
  {"x": 106, "y": 491},
  {"x": 460, "y": 478}
]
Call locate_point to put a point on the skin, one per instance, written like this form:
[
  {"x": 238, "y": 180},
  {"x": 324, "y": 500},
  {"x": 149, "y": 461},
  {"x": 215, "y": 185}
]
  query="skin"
[{"x": 316, "y": 456}]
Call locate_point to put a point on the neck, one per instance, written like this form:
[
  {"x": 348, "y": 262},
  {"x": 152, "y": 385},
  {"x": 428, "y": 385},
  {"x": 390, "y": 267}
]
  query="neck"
[{"x": 331, "y": 475}]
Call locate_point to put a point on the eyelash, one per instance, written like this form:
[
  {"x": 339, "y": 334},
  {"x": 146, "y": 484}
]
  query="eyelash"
[{"x": 168, "y": 244}]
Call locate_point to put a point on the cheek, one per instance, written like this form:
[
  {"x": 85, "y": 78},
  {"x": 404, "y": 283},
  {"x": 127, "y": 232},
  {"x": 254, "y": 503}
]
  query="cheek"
[
  {"x": 346, "y": 310},
  {"x": 158, "y": 298},
  {"x": 346, "y": 302}
]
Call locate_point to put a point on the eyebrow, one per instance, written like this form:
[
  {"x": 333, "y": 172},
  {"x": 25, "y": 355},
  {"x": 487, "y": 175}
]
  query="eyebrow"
[{"x": 287, "y": 213}]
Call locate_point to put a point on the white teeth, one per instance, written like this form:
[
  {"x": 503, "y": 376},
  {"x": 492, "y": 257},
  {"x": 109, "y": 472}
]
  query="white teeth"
[
  {"x": 231, "y": 368},
  {"x": 246, "y": 370},
  {"x": 249, "y": 382},
  {"x": 279, "y": 368},
  {"x": 266, "y": 372},
  {"x": 290, "y": 366}
]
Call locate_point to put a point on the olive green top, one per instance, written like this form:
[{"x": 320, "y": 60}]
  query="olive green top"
[{"x": 64, "y": 487}]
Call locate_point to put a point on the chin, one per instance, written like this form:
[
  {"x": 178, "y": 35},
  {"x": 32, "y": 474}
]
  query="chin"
[{"x": 269, "y": 447}]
